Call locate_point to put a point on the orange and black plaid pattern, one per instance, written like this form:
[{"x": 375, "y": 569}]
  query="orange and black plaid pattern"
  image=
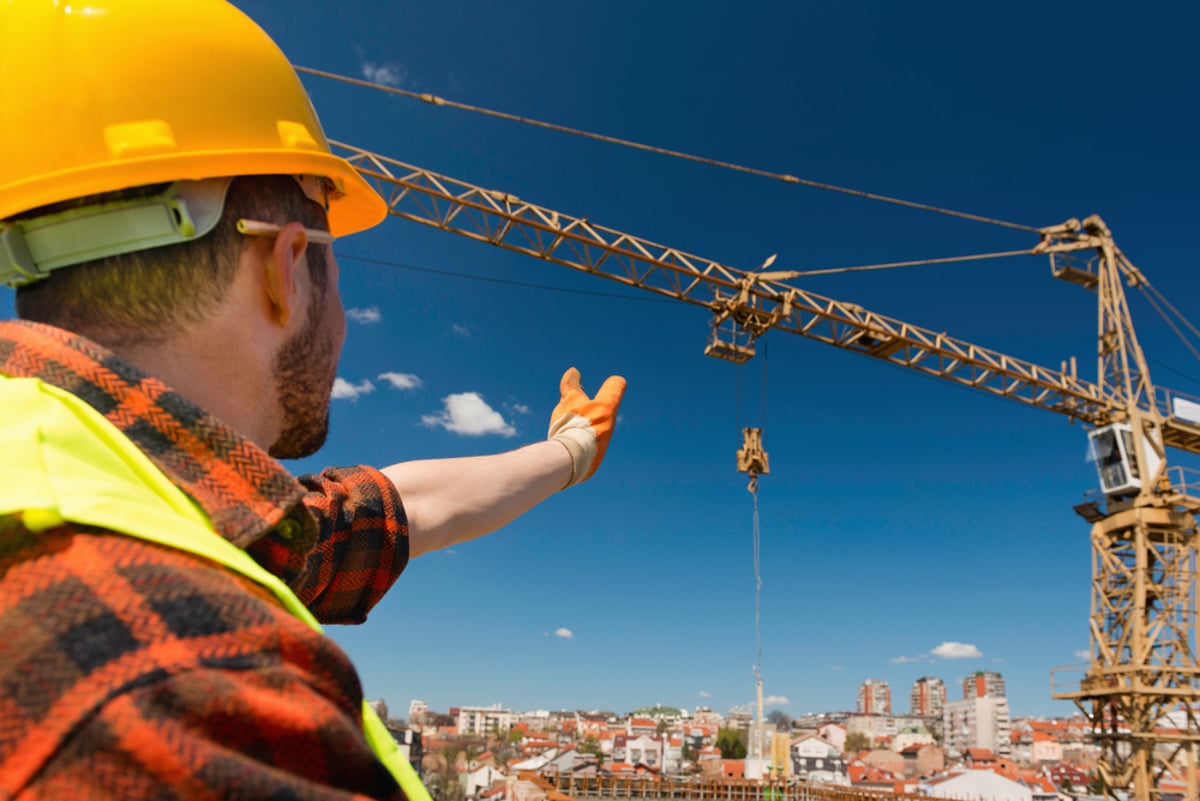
[{"x": 133, "y": 671}]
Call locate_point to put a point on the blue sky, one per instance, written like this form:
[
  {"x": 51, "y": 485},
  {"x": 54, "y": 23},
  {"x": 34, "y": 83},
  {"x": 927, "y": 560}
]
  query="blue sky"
[{"x": 902, "y": 513}]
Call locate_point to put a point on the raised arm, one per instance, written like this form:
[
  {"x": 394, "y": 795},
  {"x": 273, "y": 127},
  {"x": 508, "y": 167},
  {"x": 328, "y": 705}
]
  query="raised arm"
[{"x": 449, "y": 501}]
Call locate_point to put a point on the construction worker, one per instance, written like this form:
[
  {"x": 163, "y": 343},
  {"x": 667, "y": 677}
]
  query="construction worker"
[{"x": 167, "y": 200}]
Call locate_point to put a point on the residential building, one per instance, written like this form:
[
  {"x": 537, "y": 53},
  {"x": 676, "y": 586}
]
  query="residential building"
[
  {"x": 976, "y": 784},
  {"x": 739, "y": 719},
  {"x": 874, "y": 698},
  {"x": 475, "y": 782},
  {"x": 416, "y": 712},
  {"x": 983, "y": 684},
  {"x": 484, "y": 719},
  {"x": 923, "y": 760},
  {"x": 641, "y": 725},
  {"x": 978, "y": 723},
  {"x": 640, "y": 750},
  {"x": 817, "y": 760},
  {"x": 911, "y": 735},
  {"x": 834, "y": 734},
  {"x": 928, "y": 697},
  {"x": 880, "y": 727}
]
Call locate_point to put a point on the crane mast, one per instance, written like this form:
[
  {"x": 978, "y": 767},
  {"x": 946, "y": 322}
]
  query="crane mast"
[{"x": 1141, "y": 689}]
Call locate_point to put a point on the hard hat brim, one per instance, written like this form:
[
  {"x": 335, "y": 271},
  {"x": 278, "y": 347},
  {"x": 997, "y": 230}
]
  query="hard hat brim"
[{"x": 357, "y": 208}]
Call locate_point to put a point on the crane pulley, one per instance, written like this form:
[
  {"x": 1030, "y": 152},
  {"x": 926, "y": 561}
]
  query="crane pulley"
[{"x": 751, "y": 458}]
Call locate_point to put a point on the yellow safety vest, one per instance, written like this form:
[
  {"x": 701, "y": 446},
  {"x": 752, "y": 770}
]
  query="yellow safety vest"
[{"x": 66, "y": 462}]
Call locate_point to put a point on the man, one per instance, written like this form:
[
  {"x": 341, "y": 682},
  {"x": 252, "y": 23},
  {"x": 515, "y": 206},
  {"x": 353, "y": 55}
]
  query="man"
[{"x": 166, "y": 203}]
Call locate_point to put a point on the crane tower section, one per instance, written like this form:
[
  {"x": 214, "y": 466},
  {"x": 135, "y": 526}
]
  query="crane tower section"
[{"x": 1141, "y": 688}]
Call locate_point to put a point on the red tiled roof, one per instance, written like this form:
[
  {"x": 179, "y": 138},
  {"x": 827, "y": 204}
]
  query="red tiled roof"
[{"x": 864, "y": 774}]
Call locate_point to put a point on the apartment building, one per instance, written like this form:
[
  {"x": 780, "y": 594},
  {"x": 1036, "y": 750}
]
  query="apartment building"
[
  {"x": 978, "y": 722},
  {"x": 483, "y": 719},
  {"x": 984, "y": 684},
  {"x": 928, "y": 697},
  {"x": 874, "y": 698}
]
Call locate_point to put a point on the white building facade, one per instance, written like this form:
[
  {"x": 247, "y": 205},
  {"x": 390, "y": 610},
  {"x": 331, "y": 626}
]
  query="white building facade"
[
  {"x": 484, "y": 719},
  {"x": 978, "y": 723}
]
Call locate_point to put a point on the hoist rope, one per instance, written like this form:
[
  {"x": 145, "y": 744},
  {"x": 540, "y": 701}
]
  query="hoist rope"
[
  {"x": 753, "y": 487},
  {"x": 662, "y": 151},
  {"x": 757, "y": 584}
]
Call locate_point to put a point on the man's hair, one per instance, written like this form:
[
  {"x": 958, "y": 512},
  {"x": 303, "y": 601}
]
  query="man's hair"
[{"x": 145, "y": 296}]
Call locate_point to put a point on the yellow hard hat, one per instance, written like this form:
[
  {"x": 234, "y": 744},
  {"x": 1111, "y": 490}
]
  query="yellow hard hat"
[{"x": 102, "y": 95}]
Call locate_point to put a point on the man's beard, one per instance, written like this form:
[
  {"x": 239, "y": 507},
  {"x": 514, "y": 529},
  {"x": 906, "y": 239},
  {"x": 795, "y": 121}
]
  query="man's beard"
[{"x": 303, "y": 372}]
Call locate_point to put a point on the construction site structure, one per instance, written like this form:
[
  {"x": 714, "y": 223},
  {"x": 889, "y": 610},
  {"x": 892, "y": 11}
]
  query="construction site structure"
[{"x": 1141, "y": 690}]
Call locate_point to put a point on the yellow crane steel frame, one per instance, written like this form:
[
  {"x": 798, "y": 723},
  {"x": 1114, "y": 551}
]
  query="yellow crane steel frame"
[{"x": 1143, "y": 678}]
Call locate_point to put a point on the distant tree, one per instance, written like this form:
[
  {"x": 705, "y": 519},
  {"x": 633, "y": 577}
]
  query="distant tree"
[
  {"x": 590, "y": 746},
  {"x": 662, "y": 728},
  {"x": 858, "y": 741},
  {"x": 444, "y": 784},
  {"x": 1097, "y": 787},
  {"x": 730, "y": 743},
  {"x": 514, "y": 736},
  {"x": 780, "y": 718}
]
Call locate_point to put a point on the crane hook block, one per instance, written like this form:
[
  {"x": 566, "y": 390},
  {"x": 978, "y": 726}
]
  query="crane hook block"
[{"x": 751, "y": 458}]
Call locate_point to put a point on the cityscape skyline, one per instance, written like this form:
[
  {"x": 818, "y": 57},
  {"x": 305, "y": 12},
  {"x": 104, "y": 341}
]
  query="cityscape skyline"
[{"x": 984, "y": 683}]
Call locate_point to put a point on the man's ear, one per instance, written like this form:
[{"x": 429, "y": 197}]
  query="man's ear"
[{"x": 280, "y": 271}]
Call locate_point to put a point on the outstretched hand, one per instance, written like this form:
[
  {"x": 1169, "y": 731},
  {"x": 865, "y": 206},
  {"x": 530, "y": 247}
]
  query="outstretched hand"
[{"x": 584, "y": 425}]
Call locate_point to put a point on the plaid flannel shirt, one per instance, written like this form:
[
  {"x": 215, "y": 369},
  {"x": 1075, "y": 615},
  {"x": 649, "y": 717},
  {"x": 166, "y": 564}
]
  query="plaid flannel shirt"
[{"x": 133, "y": 671}]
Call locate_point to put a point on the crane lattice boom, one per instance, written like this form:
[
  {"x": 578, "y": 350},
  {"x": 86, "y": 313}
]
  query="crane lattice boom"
[{"x": 746, "y": 304}]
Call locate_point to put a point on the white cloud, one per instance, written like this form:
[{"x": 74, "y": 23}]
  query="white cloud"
[
  {"x": 705, "y": 694},
  {"x": 461, "y": 330},
  {"x": 836, "y": 667},
  {"x": 1085, "y": 655},
  {"x": 776, "y": 700},
  {"x": 401, "y": 380},
  {"x": 520, "y": 408},
  {"x": 344, "y": 390},
  {"x": 906, "y": 660},
  {"x": 390, "y": 74},
  {"x": 468, "y": 414},
  {"x": 365, "y": 316},
  {"x": 957, "y": 650},
  {"x": 565, "y": 633}
]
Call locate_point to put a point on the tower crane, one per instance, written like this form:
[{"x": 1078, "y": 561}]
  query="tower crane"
[{"x": 1141, "y": 690}]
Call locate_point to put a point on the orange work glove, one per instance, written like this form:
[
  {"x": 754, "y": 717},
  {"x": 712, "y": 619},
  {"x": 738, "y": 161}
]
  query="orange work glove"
[{"x": 584, "y": 425}]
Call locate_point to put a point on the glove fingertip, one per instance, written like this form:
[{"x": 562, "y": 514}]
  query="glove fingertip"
[
  {"x": 612, "y": 390},
  {"x": 570, "y": 380}
]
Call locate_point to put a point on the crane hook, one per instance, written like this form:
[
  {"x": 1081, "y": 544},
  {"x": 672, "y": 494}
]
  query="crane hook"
[{"x": 751, "y": 458}]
